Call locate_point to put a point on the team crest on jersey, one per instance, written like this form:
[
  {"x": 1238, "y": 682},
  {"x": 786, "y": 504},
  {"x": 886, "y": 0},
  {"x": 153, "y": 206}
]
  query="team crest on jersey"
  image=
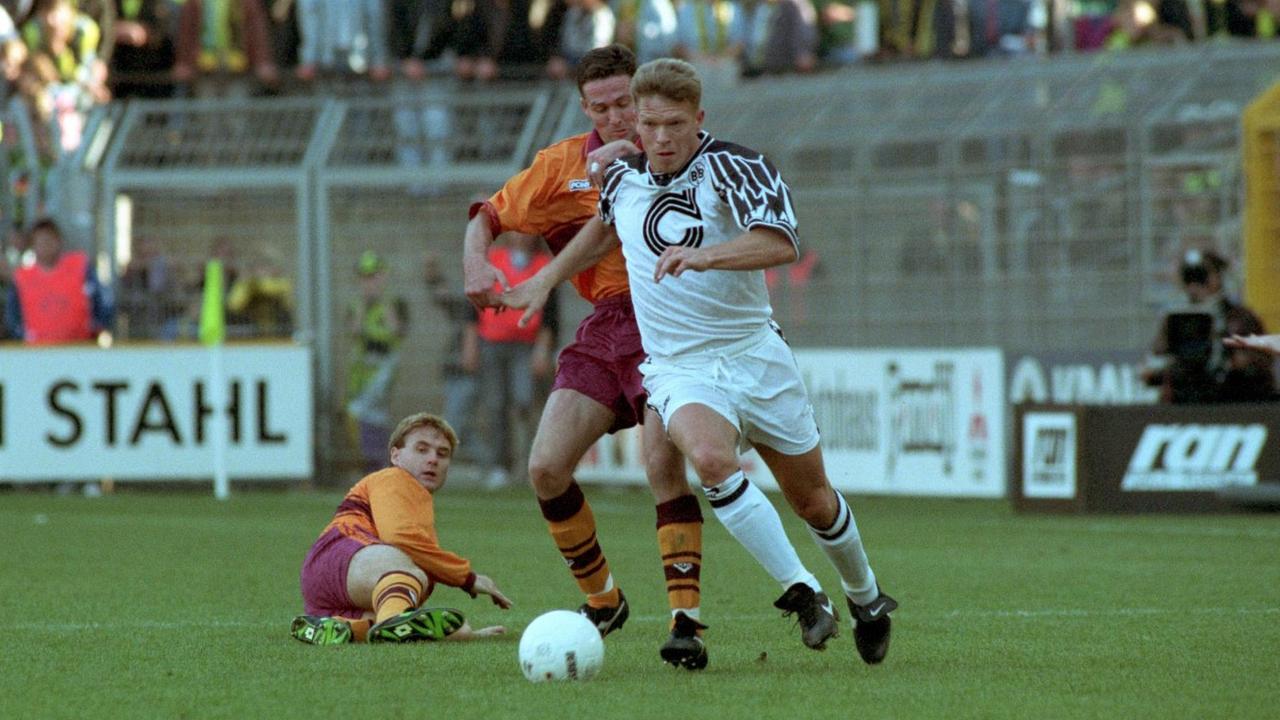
[
  {"x": 580, "y": 184},
  {"x": 696, "y": 172},
  {"x": 673, "y": 213}
]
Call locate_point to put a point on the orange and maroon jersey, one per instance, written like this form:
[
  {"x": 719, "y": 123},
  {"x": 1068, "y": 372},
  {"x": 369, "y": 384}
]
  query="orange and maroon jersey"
[
  {"x": 390, "y": 507},
  {"x": 553, "y": 198}
]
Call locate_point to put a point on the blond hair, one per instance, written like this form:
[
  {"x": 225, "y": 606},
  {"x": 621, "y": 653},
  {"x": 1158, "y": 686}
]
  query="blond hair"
[
  {"x": 675, "y": 80},
  {"x": 420, "y": 420}
]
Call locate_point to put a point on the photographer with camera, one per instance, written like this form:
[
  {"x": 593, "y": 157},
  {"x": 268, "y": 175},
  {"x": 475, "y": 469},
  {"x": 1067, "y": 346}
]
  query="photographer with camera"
[{"x": 1190, "y": 361}]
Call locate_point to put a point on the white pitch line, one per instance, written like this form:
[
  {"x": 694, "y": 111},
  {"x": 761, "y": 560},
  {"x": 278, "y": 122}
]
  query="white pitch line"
[{"x": 1045, "y": 614}]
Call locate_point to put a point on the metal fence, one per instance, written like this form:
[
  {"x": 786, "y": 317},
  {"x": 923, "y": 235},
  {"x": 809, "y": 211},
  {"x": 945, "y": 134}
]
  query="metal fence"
[
  {"x": 1030, "y": 205},
  {"x": 1025, "y": 204}
]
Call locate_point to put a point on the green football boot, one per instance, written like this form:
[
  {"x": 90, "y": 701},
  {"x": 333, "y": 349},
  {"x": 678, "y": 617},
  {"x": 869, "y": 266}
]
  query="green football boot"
[
  {"x": 417, "y": 625},
  {"x": 320, "y": 630}
]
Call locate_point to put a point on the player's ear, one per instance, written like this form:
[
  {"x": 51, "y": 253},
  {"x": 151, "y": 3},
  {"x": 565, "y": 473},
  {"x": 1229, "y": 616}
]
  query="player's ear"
[{"x": 702, "y": 114}]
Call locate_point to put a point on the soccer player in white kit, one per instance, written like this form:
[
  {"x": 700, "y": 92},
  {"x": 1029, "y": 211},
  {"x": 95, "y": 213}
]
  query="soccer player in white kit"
[{"x": 699, "y": 220}]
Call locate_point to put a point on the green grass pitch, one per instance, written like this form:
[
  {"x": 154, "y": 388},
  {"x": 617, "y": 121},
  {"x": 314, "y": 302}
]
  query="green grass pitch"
[{"x": 173, "y": 605}]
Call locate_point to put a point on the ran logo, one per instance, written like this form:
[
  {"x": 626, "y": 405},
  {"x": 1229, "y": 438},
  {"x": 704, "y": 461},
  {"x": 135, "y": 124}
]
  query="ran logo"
[{"x": 1195, "y": 457}]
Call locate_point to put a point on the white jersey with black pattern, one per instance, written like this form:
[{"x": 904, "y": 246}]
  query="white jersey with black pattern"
[{"x": 723, "y": 191}]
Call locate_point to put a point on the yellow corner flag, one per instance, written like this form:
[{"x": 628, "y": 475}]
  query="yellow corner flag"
[{"x": 213, "y": 317}]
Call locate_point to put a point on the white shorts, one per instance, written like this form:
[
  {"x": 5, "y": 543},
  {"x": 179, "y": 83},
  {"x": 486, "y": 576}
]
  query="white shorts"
[{"x": 757, "y": 388}]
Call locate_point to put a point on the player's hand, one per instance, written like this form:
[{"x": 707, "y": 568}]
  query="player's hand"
[
  {"x": 530, "y": 295},
  {"x": 1265, "y": 343},
  {"x": 603, "y": 156},
  {"x": 479, "y": 277},
  {"x": 676, "y": 259},
  {"x": 490, "y": 631},
  {"x": 485, "y": 585},
  {"x": 466, "y": 632}
]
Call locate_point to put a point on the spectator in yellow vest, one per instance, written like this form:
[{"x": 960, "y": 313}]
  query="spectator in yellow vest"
[{"x": 377, "y": 322}]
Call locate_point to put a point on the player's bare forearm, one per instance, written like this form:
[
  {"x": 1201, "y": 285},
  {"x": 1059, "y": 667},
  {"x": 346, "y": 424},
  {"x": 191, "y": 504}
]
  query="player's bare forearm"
[
  {"x": 466, "y": 632},
  {"x": 587, "y": 248},
  {"x": 1264, "y": 343},
  {"x": 756, "y": 249},
  {"x": 478, "y": 236},
  {"x": 478, "y": 274}
]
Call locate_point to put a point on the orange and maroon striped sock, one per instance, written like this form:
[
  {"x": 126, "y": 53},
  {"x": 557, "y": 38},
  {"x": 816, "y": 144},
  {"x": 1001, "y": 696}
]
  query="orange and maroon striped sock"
[
  {"x": 394, "y": 593},
  {"x": 680, "y": 545},
  {"x": 573, "y": 527}
]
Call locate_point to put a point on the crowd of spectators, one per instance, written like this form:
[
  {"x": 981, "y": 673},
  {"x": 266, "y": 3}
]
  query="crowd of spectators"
[{"x": 64, "y": 54}]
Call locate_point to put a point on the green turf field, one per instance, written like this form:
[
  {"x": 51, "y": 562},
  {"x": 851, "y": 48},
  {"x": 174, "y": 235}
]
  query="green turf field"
[{"x": 173, "y": 605}]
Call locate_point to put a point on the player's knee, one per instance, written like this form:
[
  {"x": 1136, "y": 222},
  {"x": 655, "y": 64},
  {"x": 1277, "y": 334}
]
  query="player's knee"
[
  {"x": 547, "y": 473},
  {"x": 373, "y": 561},
  {"x": 712, "y": 463}
]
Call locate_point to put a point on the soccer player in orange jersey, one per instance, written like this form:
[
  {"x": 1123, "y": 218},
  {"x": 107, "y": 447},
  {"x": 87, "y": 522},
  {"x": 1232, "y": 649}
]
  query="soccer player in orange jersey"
[
  {"x": 598, "y": 388},
  {"x": 377, "y": 561}
]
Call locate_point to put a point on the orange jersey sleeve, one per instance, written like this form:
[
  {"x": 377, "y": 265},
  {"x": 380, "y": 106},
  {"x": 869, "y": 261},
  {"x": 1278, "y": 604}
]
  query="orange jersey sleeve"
[
  {"x": 553, "y": 198},
  {"x": 391, "y": 508}
]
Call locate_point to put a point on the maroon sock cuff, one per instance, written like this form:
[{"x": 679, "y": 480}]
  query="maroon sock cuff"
[
  {"x": 563, "y": 506},
  {"x": 684, "y": 509}
]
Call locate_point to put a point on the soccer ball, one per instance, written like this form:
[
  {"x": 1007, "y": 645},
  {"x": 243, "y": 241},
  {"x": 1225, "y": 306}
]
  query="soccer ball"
[{"x": 561, "y": 645}]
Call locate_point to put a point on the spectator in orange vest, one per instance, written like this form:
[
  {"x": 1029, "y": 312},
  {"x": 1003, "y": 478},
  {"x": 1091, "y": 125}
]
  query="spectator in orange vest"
[
  {"x": 511, "y": 357},
  {"x": 56, "y": 299}
]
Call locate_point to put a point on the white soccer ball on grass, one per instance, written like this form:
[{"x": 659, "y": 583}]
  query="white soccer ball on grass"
[{"x": 561, "y": 645}]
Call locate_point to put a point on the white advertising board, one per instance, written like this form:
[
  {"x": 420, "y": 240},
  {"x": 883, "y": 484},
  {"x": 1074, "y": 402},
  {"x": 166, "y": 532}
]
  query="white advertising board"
[
  {"x": 146, "y": 413},
  {"x": 1049, "y": 455},
  {"x": 902, "y": 422}
]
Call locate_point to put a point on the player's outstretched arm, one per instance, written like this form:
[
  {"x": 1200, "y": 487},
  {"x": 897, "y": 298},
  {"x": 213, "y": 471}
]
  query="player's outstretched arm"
[
  {"x": 1265, "y": 343},
  {"x": 592, "y": 243},
  {"x": 756, "y": 249},
  {"x": 478, "y": 274},
  {"x": 466, "y": 632},
  {"x": 484, "y": 585}
]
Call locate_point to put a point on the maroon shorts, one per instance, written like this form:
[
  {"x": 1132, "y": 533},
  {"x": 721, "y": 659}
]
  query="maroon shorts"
[
  {"x": 324, "y": 576},
  {"x": 602, "y": 361}
]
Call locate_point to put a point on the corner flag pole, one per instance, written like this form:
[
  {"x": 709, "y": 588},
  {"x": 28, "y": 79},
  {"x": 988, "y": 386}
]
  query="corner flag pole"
[{"x": 213, "y": 330}]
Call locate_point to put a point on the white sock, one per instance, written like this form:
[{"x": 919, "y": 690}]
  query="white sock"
[
  {"x": 843, "y": 545},
  {"x": 753, "y": 521}
]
